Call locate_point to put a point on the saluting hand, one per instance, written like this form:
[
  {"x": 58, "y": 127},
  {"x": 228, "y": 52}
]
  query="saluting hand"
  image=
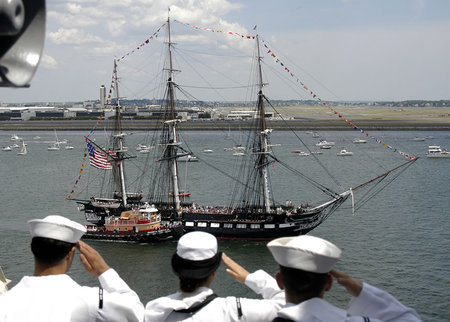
[
  {"x": 353, "y": 286},
  {"x": 234, "y": 269},
  {"x": 92, "y": 261}
]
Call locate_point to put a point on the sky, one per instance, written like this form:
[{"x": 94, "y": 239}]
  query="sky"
[{"x": 349, "y": 50}]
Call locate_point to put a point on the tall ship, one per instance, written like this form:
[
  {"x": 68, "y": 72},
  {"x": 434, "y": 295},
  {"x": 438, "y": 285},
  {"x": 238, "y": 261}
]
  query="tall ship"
[
  {"x": 253, "y": 212},
  {"x": 115, "y": 213}
]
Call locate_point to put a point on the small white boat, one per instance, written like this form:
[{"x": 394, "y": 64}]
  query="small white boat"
[
  {"x": 37, "y": 137},
  {"x": 325, "y": 147},
  {"x": 188, "y": 158},
  {"x": 208, "y": 151},
  {"x": 238, "y": 154},
  {"x": 419, "y": 139},
  {"x": 54, "y": 147},
  {"x": 14, "y": 146},
  {"x": 435, "y": 151},
  {"x": 228, "y": 149},
  {"x": 300, "y": 152},
  {"x": 316, "y": 152},
  {"x": 15, "y": 137},
  {"x": 69, "y": 147},
  {"x": 324, "y": 143},
  {"x": 6, "y": 148},
  {"x": 357, "y": 141},
  {"x": 344, "y": 152}
]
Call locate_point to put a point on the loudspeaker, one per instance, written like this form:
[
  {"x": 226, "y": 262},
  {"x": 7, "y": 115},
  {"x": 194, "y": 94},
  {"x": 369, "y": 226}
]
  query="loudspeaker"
[{"x": 22, "y": 35}]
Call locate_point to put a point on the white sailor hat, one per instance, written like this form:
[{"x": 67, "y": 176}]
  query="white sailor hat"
[
  {"x": 307, "y": 253},
  {"x": 196, "y": 255},
  {"x": 57, "y": 227}
]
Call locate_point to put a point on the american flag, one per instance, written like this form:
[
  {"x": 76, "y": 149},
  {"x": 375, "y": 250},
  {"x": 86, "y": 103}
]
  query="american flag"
[{"x": 98, "y": 158}]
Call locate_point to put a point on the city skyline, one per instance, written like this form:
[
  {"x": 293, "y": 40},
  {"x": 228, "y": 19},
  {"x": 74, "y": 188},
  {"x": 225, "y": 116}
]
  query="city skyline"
[{"x": 343, "y": 50}]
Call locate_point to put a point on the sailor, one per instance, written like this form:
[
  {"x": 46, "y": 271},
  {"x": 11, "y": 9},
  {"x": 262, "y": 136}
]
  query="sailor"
[
  {"x": 306, "y": 273},
  {"x": 51, "y": 295},
  {"x": 195, "y": 263}
]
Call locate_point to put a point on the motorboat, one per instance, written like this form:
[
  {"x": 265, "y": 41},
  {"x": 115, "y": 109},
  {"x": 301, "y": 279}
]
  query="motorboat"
[
  {"x": 208, "y": 151},
  {"x": 344, "y": 152},
  {"x": 322, "y": 143},
  {"x": 435, "y": 151},
  {"x": 188, "y": 158},
  {"x": 6, "y": 148},
  {"x": 300, "y": 152},
  {"x": 15, "y": 137},
  {"x": 357, "y": 141}
]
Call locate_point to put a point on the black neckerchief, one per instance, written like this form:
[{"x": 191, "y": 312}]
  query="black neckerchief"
[{"x": 198, "y": 305}]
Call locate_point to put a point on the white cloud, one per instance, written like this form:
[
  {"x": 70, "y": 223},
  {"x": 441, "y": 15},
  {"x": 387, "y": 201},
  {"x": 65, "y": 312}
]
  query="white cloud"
[
  {"x": 48, "y": 62},
  {"x": 72, "y": 36}
]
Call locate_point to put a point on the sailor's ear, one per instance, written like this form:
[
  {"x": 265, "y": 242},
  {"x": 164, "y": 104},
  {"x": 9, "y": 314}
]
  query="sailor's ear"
[
  {"x": 329, "y": 283},
  {"x": 279, "y": 281}
]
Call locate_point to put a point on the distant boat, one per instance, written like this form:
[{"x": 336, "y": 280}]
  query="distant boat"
[
  {"x": 344, "y": 152},
  {"x": 228, "y": 137},
  {"x": 37, "y": 137},
  {"x": 435, "y": 151},
  {"x": 316, "y": 152},
  {"x": 6, "y": 148},
  {"x": 322, "y": 143},
  {"x": 188, "y": 158},
  {"x": 15, "y": 137},
  {"x": 208, "y": 151},
  {"x": 55, "y": 146},
  {"x": 23, "y": 151},
  {"x": 300, "y": 152},
  {"x": 69, "y": 147},
  {"x": 238, "y": 154},
  {"x": 356, "y": 141},
  {"x": 419, "y": 139}
]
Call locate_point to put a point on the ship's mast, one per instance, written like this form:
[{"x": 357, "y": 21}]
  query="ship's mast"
[
  {"x": 172, "y": 124},
  {"x": 263, "y": 134},
  {"x": 118, "y": 141}
]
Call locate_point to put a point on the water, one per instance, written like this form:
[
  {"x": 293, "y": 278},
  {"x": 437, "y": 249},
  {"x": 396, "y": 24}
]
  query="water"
[{"x": 398, "y": 241}]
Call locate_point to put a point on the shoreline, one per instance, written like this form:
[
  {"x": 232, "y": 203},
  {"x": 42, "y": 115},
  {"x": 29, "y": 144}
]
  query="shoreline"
[{"x": 304, "y": 124}]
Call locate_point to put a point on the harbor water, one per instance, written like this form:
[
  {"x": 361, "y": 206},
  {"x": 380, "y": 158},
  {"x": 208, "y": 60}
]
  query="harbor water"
[{"x": 399, "y": 240}]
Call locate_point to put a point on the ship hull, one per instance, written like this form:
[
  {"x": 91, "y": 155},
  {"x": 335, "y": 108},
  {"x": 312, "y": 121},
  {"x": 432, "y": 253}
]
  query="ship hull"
[
  {"x": 141, "y": 237},
  {"x": 239, "y": 228},
  {"x": 251, "y": 234}
]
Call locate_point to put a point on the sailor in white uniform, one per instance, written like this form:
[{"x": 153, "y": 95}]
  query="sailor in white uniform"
[
  {"x": 52, "y": 296},
  {"x": 306, "y": 273},
  {"x": 195, "y": 263}
]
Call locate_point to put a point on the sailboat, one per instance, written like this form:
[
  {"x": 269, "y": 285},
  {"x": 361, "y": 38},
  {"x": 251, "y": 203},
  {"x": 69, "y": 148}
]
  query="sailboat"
[
  {"x": 56, "y": 145},
  {"x": 23, "y": 150},
  {"x": 253, "y": 213},
  {"x": 117, "y": 214}
]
